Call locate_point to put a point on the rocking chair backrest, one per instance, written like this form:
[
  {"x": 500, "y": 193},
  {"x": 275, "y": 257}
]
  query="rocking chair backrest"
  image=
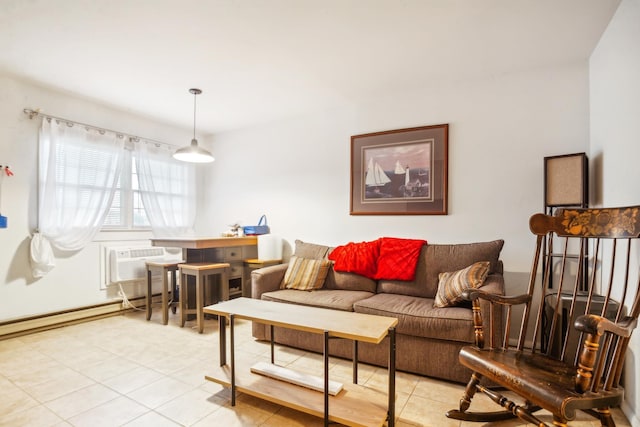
[{"x": 595, "y": 271}]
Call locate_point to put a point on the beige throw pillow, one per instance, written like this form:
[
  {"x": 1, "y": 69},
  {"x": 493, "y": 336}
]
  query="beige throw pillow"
[
  {"x": 305, "y": 274},
  {"x": 310, "y": 250},
  {"x": 452, "y": 285}
]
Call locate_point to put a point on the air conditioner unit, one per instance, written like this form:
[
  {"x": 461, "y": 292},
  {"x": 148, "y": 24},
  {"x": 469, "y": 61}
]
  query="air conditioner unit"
[{"x": 127, "y": 263}]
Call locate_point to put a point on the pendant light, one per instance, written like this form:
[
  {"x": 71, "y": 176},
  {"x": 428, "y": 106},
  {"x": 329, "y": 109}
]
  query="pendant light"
[{"x": 193, "y": 153}]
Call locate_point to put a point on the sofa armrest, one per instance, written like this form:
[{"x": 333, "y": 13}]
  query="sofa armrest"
[
  {"x": 494, "y": 285},
  {"x": 267, "y": 279}
]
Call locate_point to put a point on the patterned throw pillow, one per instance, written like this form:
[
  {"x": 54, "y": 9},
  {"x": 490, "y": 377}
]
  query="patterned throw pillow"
[
  {"x": 452, "y": 285},
  {"x": 305, "y": 274}
]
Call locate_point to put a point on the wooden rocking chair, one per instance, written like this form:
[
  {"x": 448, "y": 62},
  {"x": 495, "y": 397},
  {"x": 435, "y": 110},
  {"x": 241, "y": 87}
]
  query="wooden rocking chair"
[{"x": 573, "y": 337}]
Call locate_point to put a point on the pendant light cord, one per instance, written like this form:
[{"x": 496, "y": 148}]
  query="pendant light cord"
[{"x": 195, "y": 94}]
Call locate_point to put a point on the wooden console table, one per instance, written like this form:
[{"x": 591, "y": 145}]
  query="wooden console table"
[{"x": 355, "y": 405}]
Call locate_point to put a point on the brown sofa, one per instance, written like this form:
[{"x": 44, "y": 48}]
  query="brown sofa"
[{"x": 428, "y": 338}]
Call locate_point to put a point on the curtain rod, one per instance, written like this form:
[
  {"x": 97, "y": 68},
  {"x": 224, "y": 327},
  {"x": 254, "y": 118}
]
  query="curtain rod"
[{"x": 134, "y": 138}]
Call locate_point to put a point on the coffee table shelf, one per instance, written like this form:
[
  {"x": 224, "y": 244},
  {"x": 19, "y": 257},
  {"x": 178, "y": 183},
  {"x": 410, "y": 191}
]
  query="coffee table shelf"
[{"x": 355, "y": 405}]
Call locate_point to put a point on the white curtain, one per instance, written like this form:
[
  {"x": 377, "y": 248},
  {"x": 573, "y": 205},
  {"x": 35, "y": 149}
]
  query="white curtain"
[
  {"x": 167, "y": 189},
  {"x": 78, "y": 173}
]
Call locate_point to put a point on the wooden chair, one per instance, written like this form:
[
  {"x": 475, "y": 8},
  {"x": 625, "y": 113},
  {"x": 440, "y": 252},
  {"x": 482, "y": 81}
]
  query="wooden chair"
[{"x": 571, "y": 346}]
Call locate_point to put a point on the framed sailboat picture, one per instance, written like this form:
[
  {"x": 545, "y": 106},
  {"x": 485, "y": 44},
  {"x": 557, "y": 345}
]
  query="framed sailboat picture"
[{"x": 400, "y": 172}]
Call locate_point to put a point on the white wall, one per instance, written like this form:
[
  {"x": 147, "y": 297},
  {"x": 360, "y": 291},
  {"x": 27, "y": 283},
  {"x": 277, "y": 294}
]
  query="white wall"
[
  {"x": 297, "y": 171},
  {"x": 75, "y": 282},
  {"x": 615, "y": 140}
]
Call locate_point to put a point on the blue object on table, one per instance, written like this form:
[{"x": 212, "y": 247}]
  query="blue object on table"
[{"x": 254, "y": 230}]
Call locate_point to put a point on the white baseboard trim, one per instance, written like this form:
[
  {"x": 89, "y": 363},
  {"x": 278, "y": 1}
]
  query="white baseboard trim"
[
  {"x": 28, "y": 325},
  {"x": 628, "y": 412}
]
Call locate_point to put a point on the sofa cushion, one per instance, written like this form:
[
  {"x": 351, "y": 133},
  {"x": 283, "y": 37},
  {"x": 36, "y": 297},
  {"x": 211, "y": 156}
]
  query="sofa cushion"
[
  {"x": 435, "y": 259},
  {"x": 305, "y": 274},
  {"x": 453, "y": 284},
  {"x": 326, "y": 298},
  {"x": 310, "y": 250},
  {"x": 349, "y": 282},
  {"x": 418, "y": 317}
]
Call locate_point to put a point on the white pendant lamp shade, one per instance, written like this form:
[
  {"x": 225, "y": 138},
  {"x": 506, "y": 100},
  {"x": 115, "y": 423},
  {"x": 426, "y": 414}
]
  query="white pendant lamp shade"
[{"x": 193, "y": 153}]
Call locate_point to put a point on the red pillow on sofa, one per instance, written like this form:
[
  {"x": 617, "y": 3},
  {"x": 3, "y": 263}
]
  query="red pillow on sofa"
[
  {"x": 398, "y": 258},
  {"x": 360, "y": 258}
]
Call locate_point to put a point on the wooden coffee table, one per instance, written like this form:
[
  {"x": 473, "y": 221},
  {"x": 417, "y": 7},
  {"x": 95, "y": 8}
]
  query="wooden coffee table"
[{"x": 355, "y": 405}]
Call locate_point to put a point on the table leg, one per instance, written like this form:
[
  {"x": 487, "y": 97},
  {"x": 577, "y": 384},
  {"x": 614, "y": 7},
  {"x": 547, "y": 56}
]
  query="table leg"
[
  {"x": 222, "y": 332},
  {"x": 233, "y": 359},
  {"x": 224, "y": 285},
  {"x": 392, "y": 378},
  {"x": 165, "y": 297},
  {"x": 355, "y": 361},
  {"x": 200, "y": 279},
  {"x": 326, "y": 378},
  {"x": 148, "y": 298},
  {"x": 272, "y": 341},
  {"x": 174, "y": 291},
  {"x": 183, "y": 299}
]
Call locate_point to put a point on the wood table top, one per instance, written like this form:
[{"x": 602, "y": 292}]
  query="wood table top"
[
  {"x": 204, "y": 242},
  {"x": 344, "y": 324}
]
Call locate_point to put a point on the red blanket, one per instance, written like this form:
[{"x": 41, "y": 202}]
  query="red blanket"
[{"x": 387, "y": 258}]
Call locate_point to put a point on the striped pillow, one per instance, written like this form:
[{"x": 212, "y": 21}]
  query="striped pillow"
[
  {"x": 452, "y": 285},
  {"x": 305, "y": 274}
]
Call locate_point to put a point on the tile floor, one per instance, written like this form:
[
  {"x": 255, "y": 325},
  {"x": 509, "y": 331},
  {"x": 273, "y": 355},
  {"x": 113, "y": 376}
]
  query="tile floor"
[{"x": 124, "y": 370}]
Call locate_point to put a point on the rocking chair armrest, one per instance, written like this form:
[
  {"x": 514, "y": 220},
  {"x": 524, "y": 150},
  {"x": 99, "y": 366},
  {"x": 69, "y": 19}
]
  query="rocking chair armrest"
[
  {"x": 598, "y": 325},
  {"x": 472, "y": 294},
  {"x": 595, "y": 326}
]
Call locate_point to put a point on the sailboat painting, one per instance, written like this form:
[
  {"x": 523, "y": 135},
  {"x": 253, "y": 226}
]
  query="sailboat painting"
[{"x": 398, "y": 171}]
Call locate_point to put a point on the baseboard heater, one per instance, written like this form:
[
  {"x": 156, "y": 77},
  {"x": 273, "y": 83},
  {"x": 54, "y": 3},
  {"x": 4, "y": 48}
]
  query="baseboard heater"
[
  {"x": 293, "y": 377},
  {"x": 31, "y": 324}
]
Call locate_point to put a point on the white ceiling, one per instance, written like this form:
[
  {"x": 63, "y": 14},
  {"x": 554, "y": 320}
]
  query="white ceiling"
[{"x": 261, "y": 60}]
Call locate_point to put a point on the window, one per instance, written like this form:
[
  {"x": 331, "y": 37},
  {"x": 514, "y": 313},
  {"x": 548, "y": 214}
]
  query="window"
[
  {"x": 78, "y": 167},
  {"x": 80, "y": 174},
  {"x": 167, "y": 186},
  {"x": 127, "y": 211},
  {"x": 92, "y": 179}
]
